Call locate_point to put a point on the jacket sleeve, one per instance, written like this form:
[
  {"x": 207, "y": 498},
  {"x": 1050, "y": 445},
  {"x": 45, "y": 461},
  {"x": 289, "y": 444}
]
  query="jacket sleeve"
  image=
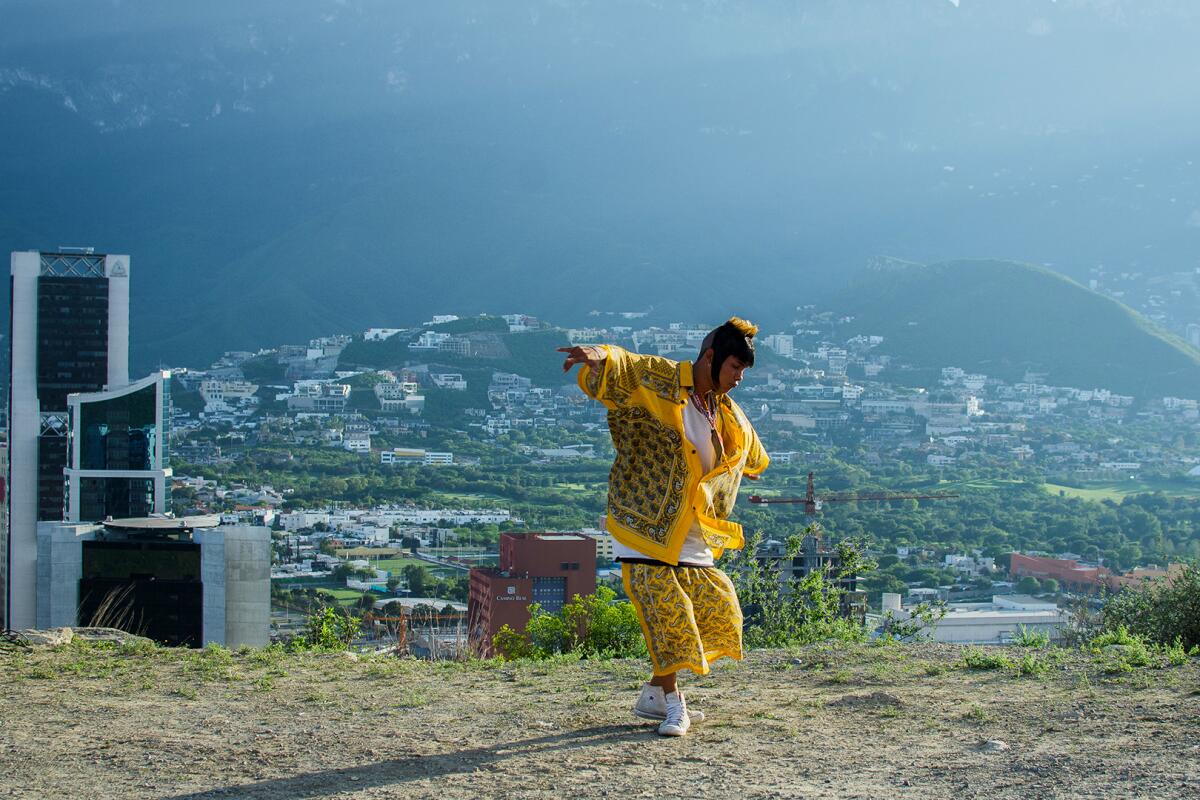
[
  {"x": 756, "y": 455},
  {"x": 615, "y": 380}
]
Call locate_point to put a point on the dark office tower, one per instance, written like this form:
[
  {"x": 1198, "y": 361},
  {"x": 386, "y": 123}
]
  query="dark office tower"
[{"x": 69, "y": 333}]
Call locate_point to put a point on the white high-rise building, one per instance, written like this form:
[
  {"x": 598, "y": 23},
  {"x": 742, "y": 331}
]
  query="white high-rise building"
[{"x": 69, "y": 313}]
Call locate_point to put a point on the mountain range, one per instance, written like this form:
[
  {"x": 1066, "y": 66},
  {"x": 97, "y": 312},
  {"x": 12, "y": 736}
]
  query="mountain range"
[{"x": 290, "y": 168}]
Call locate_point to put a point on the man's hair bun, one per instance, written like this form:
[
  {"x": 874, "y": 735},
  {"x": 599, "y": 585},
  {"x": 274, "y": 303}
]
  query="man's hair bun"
[{"x": 745, "y": 326}]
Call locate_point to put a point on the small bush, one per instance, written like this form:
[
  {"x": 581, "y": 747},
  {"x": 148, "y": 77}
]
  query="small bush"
[
  {"x": 798, "y": 612},
  {"x": 511, "y": 644},
  {"x": 1129, "y": 648},
  {"x": 1177, "y": 655},
  {"x": 975, "y": 658},
  {"x": 212, "y": 662},
  {"x": 595, "y": 626},
  {"x": 1030, "y": 638},
  {"x": 1030, "y": 664},
  {"x": 1160, "y": 611},
  {"x": 978, "y": 713},
  {"x": 327, "y": 630},
  {"x": 919, "y": 626},
  {"x": 1124, "y": 651}
]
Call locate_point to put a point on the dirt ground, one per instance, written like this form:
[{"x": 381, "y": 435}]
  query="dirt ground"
[{"x": 847, "y": 722}]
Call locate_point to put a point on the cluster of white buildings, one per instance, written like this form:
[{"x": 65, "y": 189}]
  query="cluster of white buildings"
[{"x": 349, "y": 519}]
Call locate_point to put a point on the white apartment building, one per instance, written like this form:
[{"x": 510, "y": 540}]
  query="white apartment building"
[
  {"x": 319, "y": 398},
  {"x": 400, "y": 396},
  {"x": 297, "y": 520},
  {"x": 357, "y": 441},
  {"x": 405, "y": 455},
  {"x": 782, "y": 343},
  {"x": 380, "y": 334},
  {"x": 223, "y": 395},
  {"x": 449, "y": 380}
]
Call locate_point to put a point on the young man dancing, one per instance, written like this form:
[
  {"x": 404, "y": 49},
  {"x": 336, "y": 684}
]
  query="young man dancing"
[{"x": 682, "y": 448}]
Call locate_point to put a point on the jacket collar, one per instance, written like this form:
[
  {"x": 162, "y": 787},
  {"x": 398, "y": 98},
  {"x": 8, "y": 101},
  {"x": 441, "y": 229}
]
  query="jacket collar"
[{"x": 685, "y": 379}]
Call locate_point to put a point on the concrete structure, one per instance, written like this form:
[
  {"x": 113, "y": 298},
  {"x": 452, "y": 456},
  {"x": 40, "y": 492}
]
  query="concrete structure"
[
  {"x": 544, "y": 568},
  {"x": 380, "y": 334},
  {"x": 357, "y": 441},
  {"x": 69, "y": 317},
  {"x": 236, "y": 572},
  {"x": 997, "y": 622},
  {"x": 177, "y": 585}
]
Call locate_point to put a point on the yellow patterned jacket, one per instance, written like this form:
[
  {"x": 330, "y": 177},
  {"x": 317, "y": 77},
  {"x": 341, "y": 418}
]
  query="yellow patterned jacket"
[{"x": 656, "y": 488}]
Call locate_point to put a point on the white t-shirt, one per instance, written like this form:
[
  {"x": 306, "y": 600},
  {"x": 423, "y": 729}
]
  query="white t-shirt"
[{"x": 695, "y": 550}]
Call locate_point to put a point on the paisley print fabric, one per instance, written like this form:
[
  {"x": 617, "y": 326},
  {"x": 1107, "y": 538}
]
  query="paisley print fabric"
[
  {"x": 658, "y": 487},
  {"x": 690, "y": 615},
  {"x": 646, "y": 483},
  {"x": 658, "y": 375}
]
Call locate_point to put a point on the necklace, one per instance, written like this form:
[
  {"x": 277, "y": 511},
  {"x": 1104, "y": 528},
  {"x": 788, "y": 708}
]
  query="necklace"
[{"x": 708, "y": 410}]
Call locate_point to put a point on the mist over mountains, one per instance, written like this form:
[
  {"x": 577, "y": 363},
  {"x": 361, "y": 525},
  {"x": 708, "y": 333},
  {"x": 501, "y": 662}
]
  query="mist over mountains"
[{"x": 280, "y": 170}]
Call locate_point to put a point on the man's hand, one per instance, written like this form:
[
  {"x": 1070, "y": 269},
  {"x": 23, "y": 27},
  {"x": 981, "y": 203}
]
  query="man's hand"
[
  {"x": 750, "y": 477},
  {"x": 586, "y": 354}
]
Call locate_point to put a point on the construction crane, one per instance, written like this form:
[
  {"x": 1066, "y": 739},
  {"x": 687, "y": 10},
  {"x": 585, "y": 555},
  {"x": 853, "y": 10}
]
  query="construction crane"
[{"x": 812, "y": 503}]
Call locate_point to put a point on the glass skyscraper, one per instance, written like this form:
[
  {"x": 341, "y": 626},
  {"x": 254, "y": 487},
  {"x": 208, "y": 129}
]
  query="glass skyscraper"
[{"x": 69, "y": 333}]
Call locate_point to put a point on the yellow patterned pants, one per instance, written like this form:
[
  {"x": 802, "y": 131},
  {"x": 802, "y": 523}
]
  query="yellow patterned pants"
[{"x": 690, "y": 615}]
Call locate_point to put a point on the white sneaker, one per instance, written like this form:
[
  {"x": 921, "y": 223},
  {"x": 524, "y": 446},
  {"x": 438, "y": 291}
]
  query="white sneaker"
[
  {"x": 652, "y": 705},
  {"x": 677, "y": 721}
]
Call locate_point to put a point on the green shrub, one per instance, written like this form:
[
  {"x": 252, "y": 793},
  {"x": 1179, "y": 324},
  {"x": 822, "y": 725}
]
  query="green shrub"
[
  {"x": 511, "y": 644},
  {"x": 1029, "y": 638},
  {"x": 595, "y": 626},
  {"x": 1161, "y": 611},
  {"x": 917, "y": 627},
  {"x": 1132, "y": 649},
  {"x": 327, "y": 630},
  {"x": 778, "y": 614},
  {"x": 1177, "y": 655},
  {"x": 975, "y": 658},
  {"x": 1030, "y": 664}
]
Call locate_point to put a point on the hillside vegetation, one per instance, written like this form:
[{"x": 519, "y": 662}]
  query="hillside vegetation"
[
  {"x": 918, "y": 721},
  {"x": 1004, "y": 318}
]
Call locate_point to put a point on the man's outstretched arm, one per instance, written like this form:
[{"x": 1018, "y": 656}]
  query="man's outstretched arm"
[{"x": 584, "y": 354}]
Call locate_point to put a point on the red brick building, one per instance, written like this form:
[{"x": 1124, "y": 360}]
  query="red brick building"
[
  {"x": 544, "y": 568},
  {"x": 1069, "y": 573}
]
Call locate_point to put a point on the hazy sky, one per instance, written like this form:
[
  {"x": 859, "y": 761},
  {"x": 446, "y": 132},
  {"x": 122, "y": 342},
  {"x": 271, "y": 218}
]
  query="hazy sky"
[{"x": 469, "y": 155}]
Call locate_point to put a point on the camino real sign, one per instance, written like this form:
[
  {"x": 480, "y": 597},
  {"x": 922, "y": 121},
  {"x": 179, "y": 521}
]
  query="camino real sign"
[{"x": 511, "y": 594}]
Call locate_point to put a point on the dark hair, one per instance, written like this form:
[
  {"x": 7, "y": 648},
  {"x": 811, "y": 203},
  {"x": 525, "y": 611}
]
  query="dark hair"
[{"x": 734, "y": 338}]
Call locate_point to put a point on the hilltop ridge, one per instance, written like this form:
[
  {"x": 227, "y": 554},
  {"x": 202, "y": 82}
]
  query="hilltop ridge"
[
  {"x": 964, "y": 313},
  {"x": 820, "y": 721}
]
